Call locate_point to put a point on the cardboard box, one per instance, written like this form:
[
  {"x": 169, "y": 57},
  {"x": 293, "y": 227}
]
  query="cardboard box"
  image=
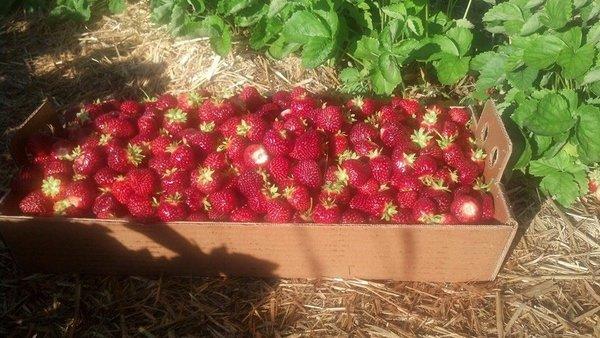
[{"x": 417, "y": 252}]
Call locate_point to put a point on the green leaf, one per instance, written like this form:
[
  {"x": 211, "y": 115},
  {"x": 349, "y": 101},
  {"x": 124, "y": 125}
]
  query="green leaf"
[
  {"x": 522, "y": 79},
  {"x": 234, "y": 6},
  {"x": 576, "y": 63},
  {"x": 218, "y": 33},
  {"x": 380, "y": 85},
  {"x": 524, "y": 112},
  {"x": 524, "y": 155},
  {"x": 280, "y": 48},
  {"x": 593, "y": 35},
  {"x": 553, "y": 116},
  {"x": 451, "y": 68},
  {"x": 116, "y": 6},
  {"x": 479, "y": 62},
  {"x": 503, "y": 12},
  {"x": 303, "y": 26},
  {"x": 572, "y": 37},
  {"x": 557, "y": 13},
  {"x": 366, "y": 48},
  {"x": 532, "y": 25},
  {"x": 316, "y": 51},
  {"x": 562, "y": 187},
  {"x": 389, "y": 68},
  {"x": 275, "y": 7},
  {"x": 462, "y": 37},
  {"x": 78, "y": 10},
  {"x": 446, "y": 44},
  {"x": 396, "y": 11},
  {"x": 415, "y": 25},
  {"x": 586, "y": 133},
  {"x": 543, "y": 51},
  {"x": 562, "y": 162},
  {"x": 592, "y": 76},
  {"x": 490, "y": 74}
]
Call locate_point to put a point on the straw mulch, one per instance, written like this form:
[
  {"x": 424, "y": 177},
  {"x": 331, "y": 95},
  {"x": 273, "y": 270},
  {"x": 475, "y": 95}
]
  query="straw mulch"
[{"x": 549, "y": 286}]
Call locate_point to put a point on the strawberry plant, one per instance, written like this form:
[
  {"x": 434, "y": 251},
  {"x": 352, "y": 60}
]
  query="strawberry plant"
[{"x": 546, "y": 72}]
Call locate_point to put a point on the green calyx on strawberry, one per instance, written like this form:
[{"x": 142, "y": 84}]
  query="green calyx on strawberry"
[
  {"x": 421, "y": 138},
  {"x": 207, "y": 127},
  {"x": 52, "y": 187},
  {"x": 135, "y": 154},
  {"x": 176, "y": 115}
]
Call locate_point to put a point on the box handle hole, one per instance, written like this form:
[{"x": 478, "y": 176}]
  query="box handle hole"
[
  {"x": 493, "y": 159},
  {"x": 484, "y": 133}
]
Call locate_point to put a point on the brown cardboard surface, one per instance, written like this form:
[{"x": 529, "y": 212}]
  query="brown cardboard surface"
[{"x": 375, "y": 251}]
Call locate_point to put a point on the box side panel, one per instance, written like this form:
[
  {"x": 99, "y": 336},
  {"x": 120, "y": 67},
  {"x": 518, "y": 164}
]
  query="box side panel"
[{"x": 413, "y": 252}]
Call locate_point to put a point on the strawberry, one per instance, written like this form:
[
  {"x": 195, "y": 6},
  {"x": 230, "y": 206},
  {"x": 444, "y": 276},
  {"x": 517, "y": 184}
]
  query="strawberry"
[
  {"x": 298, "y": 197},
  {"x": 78, "y": 199},
  {"x": 307, "y": 173},
  {"x": 391, "y": 134},
  {"x": 466, "y": 208},
  {"x": 355, "y": 172},
  {"x": 407, "y": 199},
  {"x": 410, "y": 107},
  {"x": 451, "y": 152},
  {"x": 88, "y": 161},
  {"x": 255, "y": 156},
  {"x": 160, "y": 163},
  {"x": 106, "y": 206},
  {"x": 296, "y": 125},
  {"x": 131, "y": 109},
  {"x": 36, "y": 203},
  {"x": 62, "y": 149},
  {"x": 216, "y": 161},
  {"x": 303, "y": 107},
  {"x": 487, "y": 206},
  {"x": 119, "y": 127},
  {"x": 381, "y": 166},
  {"x": 142, "y": 181},
  {"x": 182, "y": 156},
  {"x": 243, "y": 214},
  {"x": 54, "y": 187},
  {"x": 279, "y": 168},
  {"x": 307, "y": 146},
  {"x": 329, "y": 119},
  {"x": 425, "y": 165},
  {"x": 223, "y": 202},
  {"x": 93, "y": 110},
  {"x": 282, "y": 99},
  {"x": 278, "y": 211},
  {"x": 174, "y": 180},
  {"x": 478, "y": 156},
  {"x": 166, "y": 101},
  {"x": 252, "y": 127},
  {"x": 197, "y": 216},
  {"x": 364, "y": 148},
  {"x": 403, "y": 216},
  {"x": 250, "y": 97},
  {"x": 122, "y": 160},
  {"x": 336, "y": 191},
  {"x": 339, "y": 143},
  {"x": 371, "y": 187},
  {"x": 326, "y": 212},
  {"x": 352, "y": 217},
  {"x": 141, "y": 207},
  {"x": 189, "y": 102},
  {"x": 200, "y": 141},
  {"x": 391, "y": 115},
  {"x": 234, "y": 147},
  {"x": 421, "y": 138},
  {"x": 147, "y": 125},
  {"x": 206, "y": 179},
  {"x": 160, "y": 144},
  {"x": 468, "y": 172},
  {"x": 175, "y": 120},
  {"x": 194, "y": 199},
  {"x": 39, "y": 148},
  {"x": 459, "y": 115},
  {"x": 364, "y": 106},
  {"x": 121, "y": 190},
  {"x": 361, "y": 131},
  {"x": 250, "y": 182},
  {"x": 423, "y": 209},
  {"x": 402, "y": 162},
  {"x": 172, "y": 208},
  {"x": 277, "y": 142},
  {"x": 216, "y": 110}
]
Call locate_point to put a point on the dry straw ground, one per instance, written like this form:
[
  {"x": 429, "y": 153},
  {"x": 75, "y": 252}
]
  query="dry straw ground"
[{"x": 549, "y": 286}]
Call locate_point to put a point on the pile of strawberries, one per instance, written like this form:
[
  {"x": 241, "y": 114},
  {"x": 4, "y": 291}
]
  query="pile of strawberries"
[{"x": 290, "y": 157}]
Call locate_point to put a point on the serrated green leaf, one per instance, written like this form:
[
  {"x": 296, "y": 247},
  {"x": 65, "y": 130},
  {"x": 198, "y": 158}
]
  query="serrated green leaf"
[
  {"x": 576, "y": 63},
  {"x": 543, "y": 51},
  {"x": 592, "y": 76},
  {"x": 531, "y": 25},
  {"x": 587, "y": 133},
  {"x": 462, "y": 37},
  {"x": 415, "y": 25},
  {"x": 593, "y": 35},
  {"x": 446, "y": 45},
  {"x": 396, "y": 11},
  {"x": 523, "y": 78},
  {"x": 524, "y": 112},
  {"x": 367, "y": 48},
  {"x": 562, "y": 162},
  {"x": 561, "y": 187},
  {"x": 280, "y": 48},
  {"x": 303, "y": 26},
  {"x": 571, "y": 37},
  {"x": 218, "y": 33},
  {"x": 553, "y": 116},
  {"x": 389, "y": 68},
  {"x": 116, "y": 6},
  {"x": 557, "y": 13},
  {"x": 572, "y": 98},
  {"x": 316, "y": 51},
  {"x": 275, "y": 7},
  {"x": 490, "y": 74},
  {"x": 503, "y": 12},
  {"x": 479, "y": 61},
  {"x": 541, "y": 144},
  {"x": 451, "y": 68},
  {"x": 380, "y": 85}
]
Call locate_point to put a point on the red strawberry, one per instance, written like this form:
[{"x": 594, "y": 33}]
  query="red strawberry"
[
  {"x": 282, "y": 99},
  {"x": 122, "y": 160},
  {"x": 407, "y": 199},
  {"x": 104, "y": 177},
  {"x": 142, "y": 181},
  {"x": 190, "y": 101},
  {"x": 202, "y": 142},
  {"x": 39, "y": 148},
  {"x": 339, "y": 143},
  {"x": 278, "y": 211},
  {"x": 352, "y": 217},
  {"x": 298, "y": 197},
  {"x": 166, "y": 101},
  {"x": 468, "y": 172},
  {"x": 381, "y": 166},
  {"x": 182, "y": 156},
  {"x": 36, "y": 203},
  {"x": 364, "y": 148},
  {"x": 478, "y": 156},
  {"x": 402, "y": 162},
  {"x": 234, "y": 147},
  {"x": 54, "y": 187},
  {"x": 255, "y": 156},
  {"x": 174, "y": 180},
  {"x": 78, "y": 199},
  {"x": 194, "y": 199},
  {"x": 425, "y": 165},
  {"x": 307, "y": 146},
  {"x": 277, "y": 142},
  {"x": 119, "y": 127},
  {"x": 421, "y": 138},
  {"x": 406, "y": 182},
  {"x": 295, "y": 124},
  {"x": 389, "y": 114},
  {"x": 197, "y": 216},
  {"x": 216, "y": 161},
  {"x": 250, "y": 97},
  {"x": 206, "y": 179},
  {"x": 160, "y": 163},
  {"x": 223, "y": 202},
  {"x": 392, "y": 134},
  {"x": 216, "y": 110},
  {"x": 459, "y": 115},
  {"x": 403, "y": 216},
  {"x": 250, "y": 182},
  {"x": 466, "y": 208},
  {"x": 147, "y": 125},
  {"x": 410, "y": 107},
  {"x": 329, "y": 119},
  {"x": 57, "y": 167},
  {"x": 487, "y": 206},
  {"x": 106, "y": 206},
  {"x": 424, "y": 208},
  {"x": 141, "y": 207},
  {"x": 364, "y": 106},
  {"x": 326, "y": 212},
  {"x": 160, "y": 144},
  {"x": 279, "y": 168},
  {"x": 243, "y": 214},
  {"x": 131, "y": 109},
  {"x": 371, "y": 187},
  {"x": 252, "y": 127},
  {"x": 172, "y": 208},
  {"x": 307, "y": 173},
  {"x": 303, "y": 107},
  {"x": 355, "y": 172},
  {"x": 88, "y": 162},
  {"x": 121, "y": 190},
  {"x": 362, "y": 131},
  {"x": 175, "y": 120}
]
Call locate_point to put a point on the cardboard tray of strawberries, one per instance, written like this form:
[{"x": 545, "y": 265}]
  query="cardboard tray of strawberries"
[{"x": 108, "y": 197}]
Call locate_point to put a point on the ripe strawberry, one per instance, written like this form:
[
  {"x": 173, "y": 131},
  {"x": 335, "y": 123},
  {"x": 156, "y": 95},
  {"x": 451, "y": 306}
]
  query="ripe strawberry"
[
  {"x": 131, "y": 109},
  {"x": 391, "y": 134},
  {"x": 93, "y": 110},
  {"x": 303, "y": 107},
  {"x": 277, "y": 142},
  {"x": 147, "y": 125},
  {"x": 223, "y": 202},
  {"x": 278, "y": 211},
  {"x": 252, "y": 127},
  {"x": 402, "y": 162},
  {"x": 106, "y": 206},
  {"x": 174, "y": 180},
  {"x": 172, "y": 208},
  {"x": 425, "y": 165},
  {"x": 234, "y": 147},
  {"x": 298, "y": 197},
  {"x": 255, "y": 156},
  {"x": 451, "y": 152},
  {"x": 487, "y": 206},
  {"x": 122, "y": 160},
  {"x": 329, "y": 119},
  {"x": 141, "y": 207},
  {"x": 121, "y": 190},
  {"x": 326, "y": 212},
  {"x": 364, "y": 106},
  {"x": 478, "y": 156},
  {"x": 200, "y": 141},
  {"x": 307, "y": 173},
  {"x": 296, "y": 125},
  {"x": 160, "y": 144},
  {"x": 194, "y": 199},
  {"x": 307, "y": 146},
  {"x": 421, "y": 138},
  {"x": 423, "y": 209},
  {"x": 389, "y": 114},
  {"x": 410, "y": 107},
  {"x": 339, "y": 143},
  {"x": 62, "y": 149},
  {"x": 39, "y": 148},
  {"x": 175, "y": 120},
  {"x": 119, "y": 127},
  {"x": 364, "y": 148},
  {"x": 361, "y": 131},
  {"x": 282, "y": 99},
  {"x": 250, "y": 97},
  {"x": 142, "y": 181},
  {"x": 352, "y": 217},
  {"x": 88, "y": 161},
  {"x": 197, "y": 216},
  {"x": 216, "y": 110},
  {"x": 216, "y": 161},
  {"x": 466, "y": 208},
  {"x": 407, "y": 199},
  {"x": 36, "y": 203},
  {"x": 190, "y": 101},
  {"x": 243, "y": 214},
  {"x": 381, "y": 166},
  {"x": 206, "y": 179},
  {"x": 279, "y": 168},
  {"x": 250, "y": 182},
  {"x": 403, "y": 216},
  {"x": 160, "y": 163},
  {"x": 355, "y": 172},
  {"x": 468, "y": 172},
  {"x": 54, "y": 187},
  {"x": 182, "y": 156},
  {"x": 78, "y": 199},
  {"x": 166, "y": 101},
  {"x": 371, "y": 187},
  {"x": 459, "y": 115}
]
